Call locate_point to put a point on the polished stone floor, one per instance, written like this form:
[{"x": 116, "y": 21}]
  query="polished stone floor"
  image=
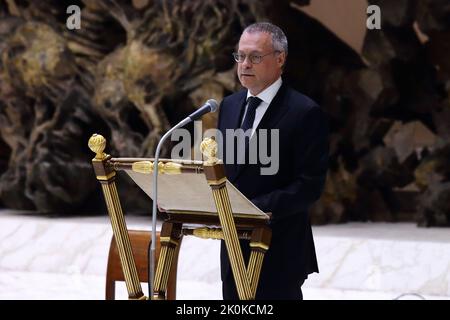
[{"x": 65, "y": 258}]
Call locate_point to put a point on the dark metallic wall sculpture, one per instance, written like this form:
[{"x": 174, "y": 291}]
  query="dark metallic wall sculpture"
[{"x": 137, "y": 67}]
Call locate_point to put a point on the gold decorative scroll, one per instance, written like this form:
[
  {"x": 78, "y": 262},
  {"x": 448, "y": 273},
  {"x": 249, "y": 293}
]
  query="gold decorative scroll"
[
  {"x": 208, "y": 233},
  {"x": 146, "y": 167}
]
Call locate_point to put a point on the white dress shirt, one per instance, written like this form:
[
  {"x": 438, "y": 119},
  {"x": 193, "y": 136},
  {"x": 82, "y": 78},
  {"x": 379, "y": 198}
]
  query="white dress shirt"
[{"x": 266, "y": 96}]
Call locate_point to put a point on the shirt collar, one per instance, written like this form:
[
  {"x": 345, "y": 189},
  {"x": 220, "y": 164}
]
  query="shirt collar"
[{"x": 269, "y": 93}]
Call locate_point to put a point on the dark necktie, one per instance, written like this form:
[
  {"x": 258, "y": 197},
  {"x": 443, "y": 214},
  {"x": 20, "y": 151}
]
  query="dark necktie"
[{"x": 253, "y": 103}]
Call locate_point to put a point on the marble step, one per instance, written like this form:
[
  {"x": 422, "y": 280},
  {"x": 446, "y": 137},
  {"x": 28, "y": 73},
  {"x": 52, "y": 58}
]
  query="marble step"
[
  {"x": 66, "y": 257},
  {"x": 386, "y": 257}
]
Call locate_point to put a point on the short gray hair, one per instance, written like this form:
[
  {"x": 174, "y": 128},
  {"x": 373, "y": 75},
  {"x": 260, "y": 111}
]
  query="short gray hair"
[{"x": 279, "y": 39}]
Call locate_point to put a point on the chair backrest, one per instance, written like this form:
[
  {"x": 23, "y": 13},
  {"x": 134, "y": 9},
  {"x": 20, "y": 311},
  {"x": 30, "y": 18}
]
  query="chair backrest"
[{"x": 140, "y": 241}]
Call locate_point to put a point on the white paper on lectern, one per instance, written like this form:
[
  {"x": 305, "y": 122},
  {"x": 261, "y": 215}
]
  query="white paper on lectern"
[{"x": 189, "y": 192}]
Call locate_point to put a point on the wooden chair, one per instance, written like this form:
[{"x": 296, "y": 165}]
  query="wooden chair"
[{"x": 140, "y": 241}]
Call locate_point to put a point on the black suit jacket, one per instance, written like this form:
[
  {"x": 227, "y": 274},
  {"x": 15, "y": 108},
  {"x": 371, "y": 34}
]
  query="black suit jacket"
[{"x": 303, "y": 163}]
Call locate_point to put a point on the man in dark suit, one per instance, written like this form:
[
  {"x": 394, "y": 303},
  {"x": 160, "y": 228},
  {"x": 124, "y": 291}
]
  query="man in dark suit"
[{"x": 302, "y": 150}]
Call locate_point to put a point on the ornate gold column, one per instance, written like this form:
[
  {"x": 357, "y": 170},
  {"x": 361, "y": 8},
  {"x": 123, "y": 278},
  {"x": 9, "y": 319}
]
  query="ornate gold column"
[
  {"x": 259, "y": 244},
  {"x": 106, "y": 176},
  {"x": 170, "y": 238},
  {"x": 215, "y": 176}
]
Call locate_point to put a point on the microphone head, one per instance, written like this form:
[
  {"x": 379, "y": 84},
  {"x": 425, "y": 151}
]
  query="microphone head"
[{"x": 213, "y": 105}]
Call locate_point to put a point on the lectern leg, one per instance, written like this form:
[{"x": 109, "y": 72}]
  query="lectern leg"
[
  {"x": 259, "y": 244},
  {"x": 120, "y": 232},
  {"x": 106, "y": 176},
  {"x": 170, "y": 238},
  {"x": 232, "y": 242},
  {"x": 215, "y": 175}
]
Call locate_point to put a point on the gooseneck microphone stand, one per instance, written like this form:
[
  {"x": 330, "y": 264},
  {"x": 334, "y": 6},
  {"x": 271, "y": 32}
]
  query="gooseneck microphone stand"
[
  {"x": 210, "y": 106},
  {"x": 151, "y": 278}
]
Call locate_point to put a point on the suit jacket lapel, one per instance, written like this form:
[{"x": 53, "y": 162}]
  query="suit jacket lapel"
[
  {"x": 233, "y": 122},
  {"x": 237, "y": 115},
  {"x": 275, "y": 111}
]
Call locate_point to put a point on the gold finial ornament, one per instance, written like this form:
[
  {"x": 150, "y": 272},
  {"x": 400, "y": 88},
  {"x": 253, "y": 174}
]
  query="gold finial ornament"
[
  {"x": 209, "y": 149},
  {"x": 97, "y": 144}
]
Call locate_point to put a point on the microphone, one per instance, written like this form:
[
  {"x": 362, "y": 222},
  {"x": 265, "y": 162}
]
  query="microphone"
[{"x": 210, "y": 106}]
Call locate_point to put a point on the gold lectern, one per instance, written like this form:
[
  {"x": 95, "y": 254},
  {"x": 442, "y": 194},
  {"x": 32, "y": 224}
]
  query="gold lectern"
[{"x": 223, "y": 219}]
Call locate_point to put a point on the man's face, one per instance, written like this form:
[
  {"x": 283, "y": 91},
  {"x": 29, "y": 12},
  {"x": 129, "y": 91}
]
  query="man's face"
[{"x": 257, "y": 77}]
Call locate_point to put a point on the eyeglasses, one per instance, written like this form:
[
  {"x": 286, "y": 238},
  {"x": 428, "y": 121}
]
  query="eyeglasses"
[{"x": 254, "y": 58}]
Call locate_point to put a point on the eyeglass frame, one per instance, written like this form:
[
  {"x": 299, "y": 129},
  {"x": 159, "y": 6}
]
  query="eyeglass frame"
[{"x": 252, "y": 56}]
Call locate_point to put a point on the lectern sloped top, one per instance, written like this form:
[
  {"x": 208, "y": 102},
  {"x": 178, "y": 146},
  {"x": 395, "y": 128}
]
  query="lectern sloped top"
[{"x": 190, "y": 193}]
